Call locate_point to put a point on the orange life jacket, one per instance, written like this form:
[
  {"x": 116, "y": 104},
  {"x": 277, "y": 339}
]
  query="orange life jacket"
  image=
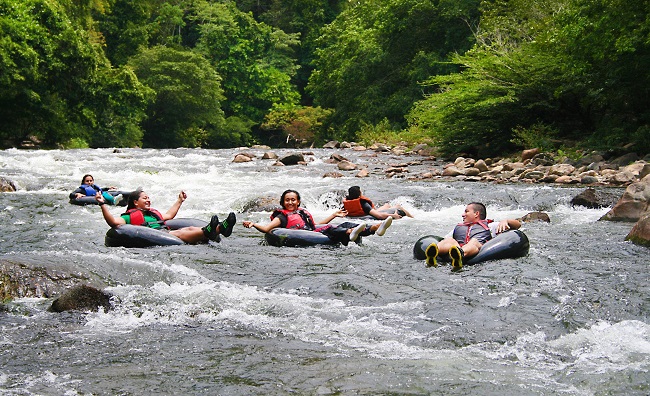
[{"x": 354, "y": 208}]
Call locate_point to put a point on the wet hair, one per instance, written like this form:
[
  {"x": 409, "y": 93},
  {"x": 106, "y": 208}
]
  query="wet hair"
[
  {"x": 83, "y": 179},
  {"x": 287, "y": 192},
  {"x": 480, "y": 208},
  {"x": 134, "y": 196},
  {"x": 354, "y": 192}
]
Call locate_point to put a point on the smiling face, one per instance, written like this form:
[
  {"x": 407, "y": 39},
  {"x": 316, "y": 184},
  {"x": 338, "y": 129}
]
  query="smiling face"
[
  {"x": 291, "y": 201},
  {"x": 142, "y": 201},
  {"x": 471, "y": 215},
  {"x": 88, "y": 180}
]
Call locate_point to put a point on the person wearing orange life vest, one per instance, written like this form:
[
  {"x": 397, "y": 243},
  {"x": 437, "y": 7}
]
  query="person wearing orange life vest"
[
  {"x": 294, "y": 217},
  {"x": 358, "y": 205},
  {"x": 467, "y": 238},
  {"x": 139, "y": 212}
]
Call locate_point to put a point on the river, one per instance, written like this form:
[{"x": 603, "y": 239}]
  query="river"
[{"x": 242, "y": 318}]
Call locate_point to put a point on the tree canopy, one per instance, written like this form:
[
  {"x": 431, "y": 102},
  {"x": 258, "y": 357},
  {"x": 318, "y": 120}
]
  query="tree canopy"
[{"x": 474, "y": 77}]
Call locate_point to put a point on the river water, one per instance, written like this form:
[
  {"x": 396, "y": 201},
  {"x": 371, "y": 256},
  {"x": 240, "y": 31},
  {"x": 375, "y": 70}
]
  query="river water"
[{"x": 240, "y": 318}]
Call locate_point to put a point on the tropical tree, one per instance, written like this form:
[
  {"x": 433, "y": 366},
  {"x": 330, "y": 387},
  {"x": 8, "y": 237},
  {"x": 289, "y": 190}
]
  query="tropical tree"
[
  {"x": 372, "y": 58},
  {"x": 188, "y": 94},
  {"x": 255, "y": 60},
  {"x": 46, "y": 68},
  {"x": 560, "y": 68}
]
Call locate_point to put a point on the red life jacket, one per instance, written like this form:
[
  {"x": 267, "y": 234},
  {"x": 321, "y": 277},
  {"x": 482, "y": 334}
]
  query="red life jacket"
[
  {"x": 136, "y": 216},
  {"x": 354, "y": 208},
  {"x": 479, "y": 230},
  {"x": 298, "y": 219}
]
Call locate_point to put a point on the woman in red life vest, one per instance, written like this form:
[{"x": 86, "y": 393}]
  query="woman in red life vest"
[
  {"x": 358, "y": 205},
  {"x": 293, "y": 216},
  {"x": 139, "y": 212},
  {"x": 467, "y": 238}
]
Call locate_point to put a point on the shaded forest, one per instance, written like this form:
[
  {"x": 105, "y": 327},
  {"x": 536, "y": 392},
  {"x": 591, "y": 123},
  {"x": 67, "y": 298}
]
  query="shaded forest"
[{"x": 467, "y": 76}]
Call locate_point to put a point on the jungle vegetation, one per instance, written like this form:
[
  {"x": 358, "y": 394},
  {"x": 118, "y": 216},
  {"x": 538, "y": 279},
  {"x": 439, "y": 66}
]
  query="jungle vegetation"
[{"x": 468, "y": 76}]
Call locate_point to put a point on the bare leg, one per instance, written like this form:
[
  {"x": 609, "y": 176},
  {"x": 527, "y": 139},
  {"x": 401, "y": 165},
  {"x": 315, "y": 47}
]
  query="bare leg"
[{"x": 191, "y": 235}]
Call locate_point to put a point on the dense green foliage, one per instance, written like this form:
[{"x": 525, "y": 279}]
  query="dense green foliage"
[
  {"x": 476, "y": 78},
  {"x": 546, "y": 72}
]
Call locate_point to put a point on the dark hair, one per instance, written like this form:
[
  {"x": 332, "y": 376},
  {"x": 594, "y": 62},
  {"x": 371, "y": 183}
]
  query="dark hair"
[
  {"x": 287, "y": 192},
  {"x": 480, "y": 208},
  {"x": 354, "y": 192},
  {"x": 134, "y": 196},
  {"x": 83, "y": 179}
]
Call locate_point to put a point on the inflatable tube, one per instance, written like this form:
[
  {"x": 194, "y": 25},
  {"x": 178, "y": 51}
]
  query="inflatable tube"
[
  {"x": 509, "y": 244},
  {"x": 131, "y": 236},
  {"x": 295, "y": 238},
  {"x": 92, "y": 201}
]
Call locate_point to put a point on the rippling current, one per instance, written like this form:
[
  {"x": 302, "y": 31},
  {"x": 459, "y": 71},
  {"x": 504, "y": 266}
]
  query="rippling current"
[{"x": 240, "y": 318}]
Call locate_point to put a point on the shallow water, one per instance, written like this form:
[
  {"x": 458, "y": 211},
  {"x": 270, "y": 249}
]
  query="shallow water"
[{"x": 243, "y": 318}]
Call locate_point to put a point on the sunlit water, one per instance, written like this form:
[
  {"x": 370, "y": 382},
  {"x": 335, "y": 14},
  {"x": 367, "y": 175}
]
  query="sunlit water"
[{"x": 243, "y": 318}]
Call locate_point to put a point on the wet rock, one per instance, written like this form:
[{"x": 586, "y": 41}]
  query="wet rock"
[
  {"x": 346, "y": 166},
  {"x": 239, "y": 158},
  {"x": 332, "y": 144},
  {"x": 561, "y": 169},
  {"x": 270, "y": 155},
  {"x": 43, "y": 280},
  {"x": 451, "y": 171},
  {"x": 535, "y": 216},
  {"x": 261, "y": 204},
  {"x": 7, "y": 185},
  {"x": 633, "y": 203},
  {"x": 359, "y": 148},
  {"x": 82, "y": 298},
  {"x": 293, "y": 159},
  {"x": 529, "y": 154},
  {"x": 363, "y": 173},
  {"x": 337, "y": 158},
  {"x": 333, "y": 174},
  {"x": 481, "y": 165},
  {"x": 381, "y": 148},
  {"x": 592, "y": 198},
  {"x": 588, "y": 179},
  {"x": 640, "y": 233},
  {"x": 625, "y": 159},
  {"x": 543, "y": 159}
]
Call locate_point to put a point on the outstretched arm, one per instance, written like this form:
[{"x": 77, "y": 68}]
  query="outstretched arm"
[
  {"x": 171, "y": 213},
  {"x": 110, "y": 219},
  {"x": 275, "y": 223},
  {"x": 338, "y": 213}
]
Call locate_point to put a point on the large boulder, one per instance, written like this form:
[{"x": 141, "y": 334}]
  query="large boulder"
[
  {"x": 41, "y": 280},
  {"x": 82, "y": 298},
  {"x": 640, "y": 233},
  {"x": 634, "y": 202}
]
